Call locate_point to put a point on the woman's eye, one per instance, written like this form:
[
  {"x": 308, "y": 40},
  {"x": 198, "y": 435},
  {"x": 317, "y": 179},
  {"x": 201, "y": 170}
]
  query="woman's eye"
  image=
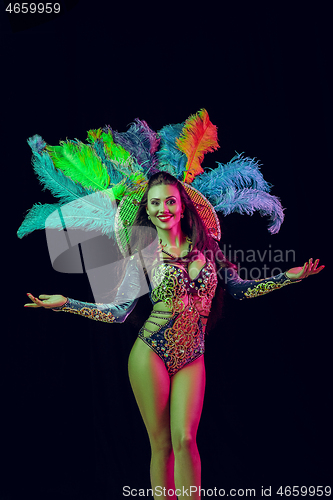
[{"x": 169, "y": 202}]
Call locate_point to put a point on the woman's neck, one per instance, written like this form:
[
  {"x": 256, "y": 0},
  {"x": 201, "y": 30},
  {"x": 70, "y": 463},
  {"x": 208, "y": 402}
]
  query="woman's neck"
[
  {"x": 180, "y": 248},
  {"x": 172, "y": 238}
]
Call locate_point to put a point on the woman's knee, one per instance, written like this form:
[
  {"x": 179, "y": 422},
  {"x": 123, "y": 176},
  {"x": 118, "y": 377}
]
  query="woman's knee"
[
  {"x": 184, "y": 441},
  {"x": 160, "y": 443}
]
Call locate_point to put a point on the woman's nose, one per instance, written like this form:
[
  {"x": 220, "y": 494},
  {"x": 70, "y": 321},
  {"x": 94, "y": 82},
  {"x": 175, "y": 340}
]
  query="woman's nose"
[{"x": 165, "y": 208}]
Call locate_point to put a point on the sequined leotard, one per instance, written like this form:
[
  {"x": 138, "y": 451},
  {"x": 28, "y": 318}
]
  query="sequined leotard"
[
  {"x": 178, "y": 328},
  {"x": 175, "y": 328}
]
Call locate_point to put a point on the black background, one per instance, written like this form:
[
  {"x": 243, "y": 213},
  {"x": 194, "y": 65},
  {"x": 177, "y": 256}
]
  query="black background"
[{"x": 71, "y": 427}]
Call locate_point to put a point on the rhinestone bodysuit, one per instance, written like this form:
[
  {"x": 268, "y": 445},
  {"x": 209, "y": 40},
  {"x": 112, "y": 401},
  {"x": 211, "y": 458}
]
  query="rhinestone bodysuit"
[
  {"x": 179, "y": 336},
  {"x": 175, "y": 329}
]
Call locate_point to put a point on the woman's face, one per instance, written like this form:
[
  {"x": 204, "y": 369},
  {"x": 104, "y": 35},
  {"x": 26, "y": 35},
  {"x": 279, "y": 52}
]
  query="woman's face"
[{"x": 164, "y": 206}]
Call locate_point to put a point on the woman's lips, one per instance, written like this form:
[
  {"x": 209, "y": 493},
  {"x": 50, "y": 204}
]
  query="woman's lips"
[{"x": 164, "y": 218}]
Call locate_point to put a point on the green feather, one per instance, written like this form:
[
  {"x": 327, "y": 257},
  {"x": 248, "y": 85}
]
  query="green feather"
[
  {"x": 80, "y": 162},
  {"x": 121, "y": 159},
  {"x": 115, "y": 152}
]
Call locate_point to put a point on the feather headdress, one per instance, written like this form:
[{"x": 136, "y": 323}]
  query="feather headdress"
[
  {"x": 73, "y": 173},
  {"x": 89, "y": 178}
]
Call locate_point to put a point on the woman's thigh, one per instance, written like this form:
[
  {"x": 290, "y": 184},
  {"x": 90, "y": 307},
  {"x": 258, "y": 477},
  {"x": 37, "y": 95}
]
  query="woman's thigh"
[
  {"x": 186, "y": 401},
  {"x": 150, "y": 383}
]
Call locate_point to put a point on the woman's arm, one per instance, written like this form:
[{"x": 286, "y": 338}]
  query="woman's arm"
[
  {"x": 247, "y": 289},
  {"x": 124, "y": 303}
]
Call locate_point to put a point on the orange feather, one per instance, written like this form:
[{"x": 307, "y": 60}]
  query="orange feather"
[{"x": 199, "y": 136}]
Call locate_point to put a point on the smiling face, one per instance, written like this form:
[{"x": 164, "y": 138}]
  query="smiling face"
[{"x": 164, "y": 206}]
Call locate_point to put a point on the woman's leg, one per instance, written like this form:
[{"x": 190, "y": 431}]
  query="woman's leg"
[
  {"x": 150, "y": 382},
  {"x": 186, "y": 401}
]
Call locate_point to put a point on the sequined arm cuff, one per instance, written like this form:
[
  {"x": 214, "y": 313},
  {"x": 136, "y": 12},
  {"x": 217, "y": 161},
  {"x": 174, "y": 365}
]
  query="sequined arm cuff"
[
  {"x": 124, "y": 303},
  {"x": 107, "y": 313},
  {"x": 248, "y": 289}
]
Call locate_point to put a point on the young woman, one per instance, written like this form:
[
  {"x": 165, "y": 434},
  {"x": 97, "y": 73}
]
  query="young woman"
[{"x": 166, "y": 363}]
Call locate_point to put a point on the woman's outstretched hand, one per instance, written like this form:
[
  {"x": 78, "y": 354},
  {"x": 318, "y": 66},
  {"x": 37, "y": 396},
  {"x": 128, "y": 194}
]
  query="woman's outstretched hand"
[
  {"x": 47, "y": 301},
  {"x": 309, "y": 268}
]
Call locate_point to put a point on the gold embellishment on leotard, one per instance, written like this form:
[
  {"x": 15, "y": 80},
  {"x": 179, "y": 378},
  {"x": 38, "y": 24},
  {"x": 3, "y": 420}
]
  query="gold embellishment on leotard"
[
  {"x": 168, "y": 287},
  {"x": 91, "y": 313},
  {"x": 184, "y": 342},
  {"x": 206, "y": 289},
  {"x": 263, "y": 288}
]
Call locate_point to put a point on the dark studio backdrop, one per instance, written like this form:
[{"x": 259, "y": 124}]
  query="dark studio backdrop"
[{"x": 71, "y": 427}]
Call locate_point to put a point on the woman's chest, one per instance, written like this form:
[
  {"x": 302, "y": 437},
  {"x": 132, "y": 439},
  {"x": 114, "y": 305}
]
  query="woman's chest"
[{"x": 174, "y": 280}]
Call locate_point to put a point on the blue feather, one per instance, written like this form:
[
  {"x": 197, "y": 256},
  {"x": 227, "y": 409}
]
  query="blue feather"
[
  {"x": 114, "y": 174},
  {"x": 36, "y": 143},
  {"x": 98, "y": 215},
  {"x": 100, "y": 205},
  {"x": 64, "y": 188},
  {"x": 239, "y": 186},
  {"x": 36, "y": 217},
  {"x": 240, "y": 172},
  {"x": 247, "y": 201},
  {"x": 53, "y": 179},
  {"x": 170, "y": 158},
  {"x": 92, "y": 214},
  {"x": 141, "y": 142}
]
